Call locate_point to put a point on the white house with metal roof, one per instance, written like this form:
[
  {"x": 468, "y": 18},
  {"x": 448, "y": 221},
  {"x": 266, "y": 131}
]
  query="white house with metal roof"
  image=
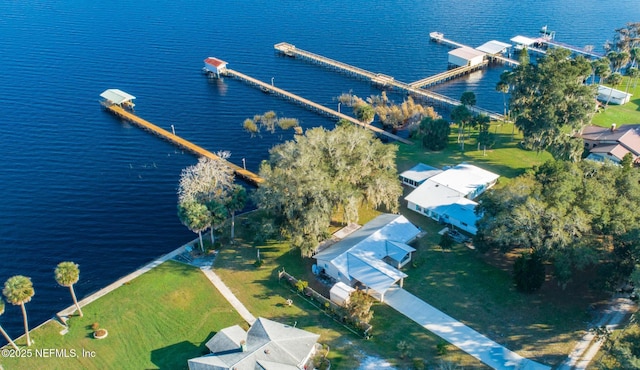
[
  {"x": 267, "y": 345},
  {"x": 418, "y": 174},
  {"x": 372, "y": 255},
  {"x": 447, "y": 197}
]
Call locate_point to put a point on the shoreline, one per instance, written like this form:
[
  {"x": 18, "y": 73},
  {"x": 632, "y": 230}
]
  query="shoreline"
[{"x": 62, "y": 316}]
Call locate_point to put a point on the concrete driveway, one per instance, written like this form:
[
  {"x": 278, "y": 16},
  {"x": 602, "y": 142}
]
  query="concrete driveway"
[{"x": 456, "y": 333}]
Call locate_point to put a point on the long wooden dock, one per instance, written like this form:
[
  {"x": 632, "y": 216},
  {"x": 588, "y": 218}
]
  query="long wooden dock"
[
  {"x": 177, "y": 140},
  {"x": 310, "y": 104},
  {"x": 447, "y": 75},
  {"x": 378, "y": 78}
]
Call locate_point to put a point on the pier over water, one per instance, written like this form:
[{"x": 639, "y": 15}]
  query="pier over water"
[
  {"x": 381, "y": 79},
  {"x": 310, "y": 104},
  {"x": 116, "y": 103}
]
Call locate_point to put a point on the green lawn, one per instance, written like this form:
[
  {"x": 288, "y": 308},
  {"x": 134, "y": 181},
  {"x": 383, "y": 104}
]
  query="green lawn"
[
  {"x": 542, "y": 326},
  {"x": 260, "y": 291},
  {"x": 505, "y": 157},
  {"x": 621, "y": 114},
  {"x": 157, "y": 321}
]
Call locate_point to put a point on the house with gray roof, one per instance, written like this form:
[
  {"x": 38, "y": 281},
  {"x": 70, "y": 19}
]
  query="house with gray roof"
[
  {"x": 612, "y": 143},
  {"x": 267, "y": 345},
  {"x": 372, "y": 256}
]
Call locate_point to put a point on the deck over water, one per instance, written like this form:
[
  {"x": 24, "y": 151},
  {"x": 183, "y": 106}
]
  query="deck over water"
[
  {"x": 378, "y": 78},
  {"x": 310, "y": 104},
  {"x": 177, "y": 140}
]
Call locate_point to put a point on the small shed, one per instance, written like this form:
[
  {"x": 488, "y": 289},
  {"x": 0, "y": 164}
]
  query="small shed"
[
  {"x": 340, "y": 292},
  {"x": 466, "y": 57},
  {"x": 214, "y": 65},
  {"x": 612, "y": 95}
]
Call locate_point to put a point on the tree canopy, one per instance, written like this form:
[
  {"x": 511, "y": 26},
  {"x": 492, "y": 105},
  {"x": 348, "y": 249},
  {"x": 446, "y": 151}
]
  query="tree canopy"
[
  {"x": 320, "y": 173},
  {"x": 435, "y": 133},
  {"x": 204, "y": 194},
  {"x": 67, "y": 274},
  {"x": 550, "y": 101},
  {"x": 571, "y": 214}
]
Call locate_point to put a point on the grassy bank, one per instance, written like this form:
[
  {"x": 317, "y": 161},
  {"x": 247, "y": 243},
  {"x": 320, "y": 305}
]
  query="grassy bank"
[
  {"x": 504, "y": 157},
  {"x": 157, "y": 321}
]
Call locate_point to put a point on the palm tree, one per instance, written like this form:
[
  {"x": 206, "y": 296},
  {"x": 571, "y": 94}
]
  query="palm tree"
[
  {"x": 18, "y": 290},
  {"x": 634, "y": 53},
  {"x": 614, "y": 80},
  {"x": 67, "y": 274},
  {"x": 196, "y": 217},
  {"x": 236, "y": 203},
  {"x": 4, "y": 333}
]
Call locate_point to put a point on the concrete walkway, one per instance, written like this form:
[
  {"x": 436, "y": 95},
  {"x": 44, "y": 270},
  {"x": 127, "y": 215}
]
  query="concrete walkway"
[
  {"x": 228, "y": 294},
  {"x": 458, "y": 334},
  {"x": 205, "y": 264}
]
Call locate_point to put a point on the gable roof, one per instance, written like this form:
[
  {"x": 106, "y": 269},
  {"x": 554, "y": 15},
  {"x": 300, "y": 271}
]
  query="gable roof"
[
  {"x": 269, "y": 345},
  {"x": 227, "y": 339},
  {"x": 359, "y": 255},
  {"x": 117, "y": 96},
  {"x": 493, "y": 47},
  {"x": 466, "y": 53},
  {"x": 420, "y": 172},
  {"x": 218, "y": 63},
  {"x": 465, "y": 178},
  {"x": 621, "y": 140}
]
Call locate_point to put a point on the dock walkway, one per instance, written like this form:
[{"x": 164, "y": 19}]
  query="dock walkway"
[
  {"x": 378, "y": 78},
  {"x": 177, "y": 140},
  {"x": 310, "y": 104},
  {"x": 446, "y": 75}
]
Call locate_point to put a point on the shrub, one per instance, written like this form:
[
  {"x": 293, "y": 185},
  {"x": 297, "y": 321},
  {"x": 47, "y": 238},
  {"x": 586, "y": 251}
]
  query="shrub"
[
  {"x": 442, "y": 347},
  {"x": 301, "y": 285},
  {"x": 418, "y": 364},
  {"x": 287, "y": 123},
  {"x": 529, "y": 272},
  {"x": 404, "y": 348}
]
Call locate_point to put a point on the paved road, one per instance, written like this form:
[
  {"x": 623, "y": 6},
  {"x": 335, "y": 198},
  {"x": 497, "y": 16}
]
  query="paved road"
[{"x": 458, "y": 334}]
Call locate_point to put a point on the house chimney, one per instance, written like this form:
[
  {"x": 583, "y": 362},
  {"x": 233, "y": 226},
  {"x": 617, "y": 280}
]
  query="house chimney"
[{"x": 613, "y": 127}]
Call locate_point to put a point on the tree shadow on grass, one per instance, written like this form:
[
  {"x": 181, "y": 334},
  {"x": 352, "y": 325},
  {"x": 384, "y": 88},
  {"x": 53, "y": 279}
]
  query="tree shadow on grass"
[{"x": 175, "y": 356}]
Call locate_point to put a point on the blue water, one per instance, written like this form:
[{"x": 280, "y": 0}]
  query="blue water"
[{"x": 78, "y": 184}]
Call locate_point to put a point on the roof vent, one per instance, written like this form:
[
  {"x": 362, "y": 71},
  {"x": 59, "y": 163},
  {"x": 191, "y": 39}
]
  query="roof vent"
[{"x": 613, "y": 127}]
